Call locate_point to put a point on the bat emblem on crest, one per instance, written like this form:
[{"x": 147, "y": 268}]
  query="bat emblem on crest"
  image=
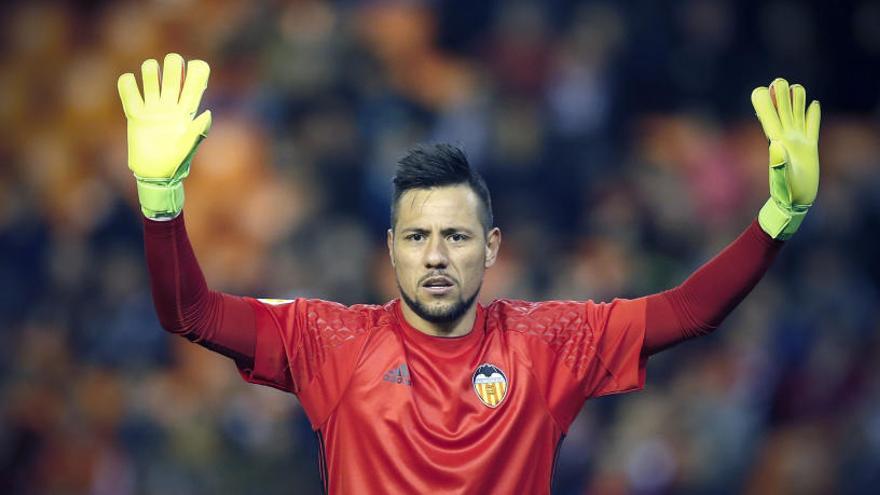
[{"x": 490, "y": 384}]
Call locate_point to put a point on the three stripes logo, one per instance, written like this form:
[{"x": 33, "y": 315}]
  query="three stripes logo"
[
  {"x": 400, "y": 375},
  {"x": 490, "y": 384}
]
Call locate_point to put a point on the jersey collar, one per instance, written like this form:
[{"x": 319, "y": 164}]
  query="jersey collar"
[{"x": 437, "y": 342}]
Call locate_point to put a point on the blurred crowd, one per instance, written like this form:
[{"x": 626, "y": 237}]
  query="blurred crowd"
[{"x": 622, "y": 152}]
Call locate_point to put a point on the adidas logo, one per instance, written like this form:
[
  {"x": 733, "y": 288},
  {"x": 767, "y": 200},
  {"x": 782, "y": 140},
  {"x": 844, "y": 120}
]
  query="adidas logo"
[{"x": 399, "y": 374}]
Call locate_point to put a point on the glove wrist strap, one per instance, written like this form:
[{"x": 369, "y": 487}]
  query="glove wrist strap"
[
  {"x": 779, "y": 221},
  {"x": 160, "y": 199}
]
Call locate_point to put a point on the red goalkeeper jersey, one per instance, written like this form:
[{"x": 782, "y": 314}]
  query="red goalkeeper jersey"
[{"x": 399, "y": 411}]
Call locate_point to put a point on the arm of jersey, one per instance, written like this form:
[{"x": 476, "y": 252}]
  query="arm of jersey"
[
  {"x": 579, "y": 350},
  {"x": 185, "y": 305},
  {"x": 307, "y": 347},
  {"x": 699, "y": 305}
]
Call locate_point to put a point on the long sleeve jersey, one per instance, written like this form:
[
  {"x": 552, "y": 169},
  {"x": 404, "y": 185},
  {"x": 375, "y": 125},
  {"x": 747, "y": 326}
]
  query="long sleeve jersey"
[{"x": 400, "y": 411}]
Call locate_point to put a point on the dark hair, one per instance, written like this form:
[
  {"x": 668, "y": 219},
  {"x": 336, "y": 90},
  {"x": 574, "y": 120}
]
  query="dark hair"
[{"x": 437, "y": 165}]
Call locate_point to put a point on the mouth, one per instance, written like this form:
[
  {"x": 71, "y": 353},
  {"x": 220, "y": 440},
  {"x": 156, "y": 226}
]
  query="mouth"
[{"x": 438, "y": 285}]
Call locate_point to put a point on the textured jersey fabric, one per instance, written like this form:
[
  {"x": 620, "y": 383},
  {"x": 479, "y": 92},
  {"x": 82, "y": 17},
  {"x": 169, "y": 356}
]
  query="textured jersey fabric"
[{"x": 427, "y": 429}]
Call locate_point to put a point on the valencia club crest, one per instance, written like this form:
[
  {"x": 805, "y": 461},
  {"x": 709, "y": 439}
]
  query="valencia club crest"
[{"x": 490, "y": 384}]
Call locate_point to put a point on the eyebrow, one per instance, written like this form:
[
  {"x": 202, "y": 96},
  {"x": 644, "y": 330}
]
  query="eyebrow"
[{"x": 444, "y": 232}]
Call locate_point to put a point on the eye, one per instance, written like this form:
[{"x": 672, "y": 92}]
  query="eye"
[
  {"x": 457, "y": 237},
  {"x": 416, "y": 237}
]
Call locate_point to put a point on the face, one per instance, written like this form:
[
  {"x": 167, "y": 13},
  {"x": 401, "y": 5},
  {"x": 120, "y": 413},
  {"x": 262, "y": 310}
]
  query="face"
[{"x": 440, "y": 251}]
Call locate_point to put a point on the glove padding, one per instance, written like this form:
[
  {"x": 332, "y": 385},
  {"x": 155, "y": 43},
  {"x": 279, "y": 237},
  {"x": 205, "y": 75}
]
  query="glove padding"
[
  {"x": 794, "y": 155},
  {"x": 162, "y": 133}
]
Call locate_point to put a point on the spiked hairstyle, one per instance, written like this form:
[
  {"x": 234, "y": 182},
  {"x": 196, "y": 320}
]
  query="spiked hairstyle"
[{"x": 437, "y": 165}]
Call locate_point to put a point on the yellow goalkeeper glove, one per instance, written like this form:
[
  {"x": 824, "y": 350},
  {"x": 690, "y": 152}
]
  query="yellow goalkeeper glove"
[
  {"x": 794, "y": 156},
  {"x": 162, "y": 133}
]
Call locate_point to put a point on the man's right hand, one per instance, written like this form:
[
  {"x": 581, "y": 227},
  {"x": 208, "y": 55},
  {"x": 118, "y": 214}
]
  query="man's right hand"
[{"x": 162, "y": 132}]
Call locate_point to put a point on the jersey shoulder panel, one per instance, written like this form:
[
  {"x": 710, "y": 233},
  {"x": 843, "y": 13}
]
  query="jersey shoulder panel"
[
  {"x": 576, "y": 349},
  {"x": 312, "y": 333},
  {"x": 557, "y": 325},
  {"x": 324, "y": 328},
  {"x": 333, "y": 324}
]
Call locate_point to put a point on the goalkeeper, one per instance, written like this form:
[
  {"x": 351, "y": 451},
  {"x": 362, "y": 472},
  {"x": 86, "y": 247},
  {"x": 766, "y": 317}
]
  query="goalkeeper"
[{"x": 432, "y": 391}]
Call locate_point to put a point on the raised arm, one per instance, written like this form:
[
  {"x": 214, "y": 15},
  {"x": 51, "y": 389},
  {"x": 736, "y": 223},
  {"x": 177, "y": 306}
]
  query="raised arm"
[
  {"x": 163, "y": 135},
  {"x": 699, "y": 305},
  {"x": 184, "y": 303}
]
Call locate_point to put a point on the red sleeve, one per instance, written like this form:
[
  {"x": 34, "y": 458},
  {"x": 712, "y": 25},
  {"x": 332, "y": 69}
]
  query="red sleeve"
[
  {"x": 579, "y": 350},
  {"x": 308, "y": 347},
  {"x": 184, "y": 304},
  {"x": 700, "y": 304}
]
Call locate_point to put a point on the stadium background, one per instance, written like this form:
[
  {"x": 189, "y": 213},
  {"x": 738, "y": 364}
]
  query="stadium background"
[{"x": 621, "y": 150}]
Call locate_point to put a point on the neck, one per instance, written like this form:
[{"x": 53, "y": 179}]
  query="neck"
[{"x": 457, "y": 328}]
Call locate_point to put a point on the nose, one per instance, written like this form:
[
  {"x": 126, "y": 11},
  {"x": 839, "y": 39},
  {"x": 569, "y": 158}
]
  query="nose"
[{"x": 436, "y": 255}]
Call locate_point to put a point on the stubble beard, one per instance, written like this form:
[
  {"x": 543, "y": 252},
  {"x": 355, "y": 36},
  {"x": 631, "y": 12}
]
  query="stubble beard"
[{"x": 442, "y": 314}]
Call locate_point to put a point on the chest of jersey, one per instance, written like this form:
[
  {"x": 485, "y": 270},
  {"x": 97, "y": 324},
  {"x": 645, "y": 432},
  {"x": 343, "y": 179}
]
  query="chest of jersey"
[
  {"x": 451, "y": 391},
  {"x": 415, "y": 416}
]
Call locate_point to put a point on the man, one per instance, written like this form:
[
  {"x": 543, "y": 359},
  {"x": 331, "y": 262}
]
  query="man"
[{"x": 433, "y": 392}]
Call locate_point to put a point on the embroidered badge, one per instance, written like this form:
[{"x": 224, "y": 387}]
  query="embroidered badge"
[{"x": 490, "y": 384}]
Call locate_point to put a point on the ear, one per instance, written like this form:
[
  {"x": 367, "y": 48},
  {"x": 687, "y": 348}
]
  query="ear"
[
  {"x": 493, "y": 244},
  {"x": 389, "y": 239}
]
